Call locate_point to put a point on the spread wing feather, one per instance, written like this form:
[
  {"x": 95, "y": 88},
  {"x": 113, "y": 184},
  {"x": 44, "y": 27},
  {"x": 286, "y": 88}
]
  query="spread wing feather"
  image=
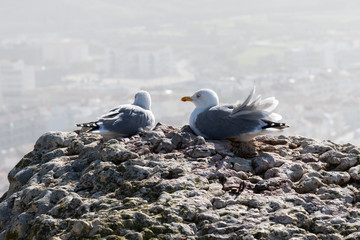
[{"x": 256, "y": 109}]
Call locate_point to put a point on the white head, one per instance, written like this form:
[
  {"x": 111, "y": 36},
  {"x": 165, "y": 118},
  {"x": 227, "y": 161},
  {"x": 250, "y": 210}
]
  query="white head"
[
  {"x": 204, "y": 98},
  {"x": 143, "y": 99}
]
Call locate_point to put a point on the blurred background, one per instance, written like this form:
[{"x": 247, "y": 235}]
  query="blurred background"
[{"x": 65, "y": 62}]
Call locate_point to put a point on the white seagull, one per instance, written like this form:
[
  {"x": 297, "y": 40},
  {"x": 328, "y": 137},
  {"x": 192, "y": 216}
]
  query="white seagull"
[
  {"x": 124, "y": 120},
  {"x": 240, "y": 122}
]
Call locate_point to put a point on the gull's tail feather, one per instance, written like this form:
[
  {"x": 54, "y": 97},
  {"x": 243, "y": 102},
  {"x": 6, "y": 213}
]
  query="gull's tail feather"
[
  {"x": 274, "y": 117},
  {"x": 268, "y": 104}
]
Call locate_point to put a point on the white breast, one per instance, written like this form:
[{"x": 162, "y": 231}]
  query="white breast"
[
  {"x": 152, "y": 125},
  {"x": 193, "y": 118}
]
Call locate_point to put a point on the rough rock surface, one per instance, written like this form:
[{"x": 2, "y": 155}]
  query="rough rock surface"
[{"x": 170, "y": 184}]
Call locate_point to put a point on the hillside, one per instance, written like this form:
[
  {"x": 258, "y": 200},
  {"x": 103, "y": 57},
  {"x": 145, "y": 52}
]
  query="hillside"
[{"x": 170, "y": 184}]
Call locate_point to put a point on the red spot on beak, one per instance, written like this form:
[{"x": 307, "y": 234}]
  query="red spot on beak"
[{"x": 185, "y": 99}]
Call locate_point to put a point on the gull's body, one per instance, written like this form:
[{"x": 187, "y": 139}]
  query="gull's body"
[
  {"x": 240, "y": 121},
  {"x": 125, "y": 120}
]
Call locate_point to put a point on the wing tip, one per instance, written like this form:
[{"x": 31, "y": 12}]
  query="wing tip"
[
  {"x": 89, "y": 124},
  {"x": 274, "y": 125}
]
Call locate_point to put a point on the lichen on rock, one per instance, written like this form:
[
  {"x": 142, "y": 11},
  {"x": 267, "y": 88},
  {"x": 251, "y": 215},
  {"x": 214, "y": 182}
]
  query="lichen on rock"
[{"x": 171, "y": 184}]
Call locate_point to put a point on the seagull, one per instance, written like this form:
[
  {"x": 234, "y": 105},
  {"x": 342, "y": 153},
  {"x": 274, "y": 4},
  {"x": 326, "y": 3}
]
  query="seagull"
[
  {"x": 125, "y": 120},
  {"x": 240, "y": 122}
]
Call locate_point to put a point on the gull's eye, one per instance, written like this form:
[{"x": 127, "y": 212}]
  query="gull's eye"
[{"x": 198, "y": 95}]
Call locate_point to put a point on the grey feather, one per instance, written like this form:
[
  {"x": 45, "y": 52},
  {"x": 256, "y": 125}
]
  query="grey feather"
[
  {"x": 255, "y": 109},
  {"x": 127, "y": 120},
  {"x": 245, "y": 104},
  {"x": 216, "y": 123}
]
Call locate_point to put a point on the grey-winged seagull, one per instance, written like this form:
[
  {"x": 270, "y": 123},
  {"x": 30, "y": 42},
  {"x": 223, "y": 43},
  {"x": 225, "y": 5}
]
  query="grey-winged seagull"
[
  {"x": 124, "y": 120},
  {"x": 241, "y": 122}
]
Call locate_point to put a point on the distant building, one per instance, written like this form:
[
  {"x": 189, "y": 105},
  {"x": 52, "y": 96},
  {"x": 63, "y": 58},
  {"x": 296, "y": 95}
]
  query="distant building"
[
  {"x": 15, "y": 79},
  {"x": 297, "y": 59},
  {"x": 269, "y": 62},
  {"x": 31, "y": 54},
  {"x": 48, "y": 76},
  {"x": 315, "y": 58},
  {"x": 348, "y": 57},
  {"x": 65, "y": 52},
  {"x": 19, "y": 126},
  {"x": 140, "y": 62}
]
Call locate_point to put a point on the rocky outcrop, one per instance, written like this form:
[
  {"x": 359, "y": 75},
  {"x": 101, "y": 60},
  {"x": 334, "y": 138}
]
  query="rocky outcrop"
[{"x": 170, "y": 184}]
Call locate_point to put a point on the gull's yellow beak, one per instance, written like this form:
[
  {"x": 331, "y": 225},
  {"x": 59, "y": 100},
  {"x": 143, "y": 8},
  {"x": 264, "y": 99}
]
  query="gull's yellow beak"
[{"x": 185, "y": 99}]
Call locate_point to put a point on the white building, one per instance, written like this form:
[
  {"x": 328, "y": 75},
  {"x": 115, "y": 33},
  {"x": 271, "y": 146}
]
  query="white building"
[
  {"x": 140, "y": 62},
  {"x": 19, "y": 126},
  {"x": 65, "y": 52},
  {"x": 15, "y": 79}
]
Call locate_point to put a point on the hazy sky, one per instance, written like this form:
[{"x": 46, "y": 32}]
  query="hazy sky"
[{"x": 35, "y": 16}]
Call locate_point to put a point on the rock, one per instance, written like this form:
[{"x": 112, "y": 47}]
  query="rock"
[
  {"x": 308, "y": 184},
  {"x": 200, "y": 151},
  {"x": 346, "y": 195},
  {"x": 21, "y": 177},
  {"x": 117, "y": 154},
  {"x": 80, "y": 228},
  {"x": 332, "y": 157},
  {"x": 347, "y": 163},
  {"x": 59, "y": 152},
  {"x": 223, "y": 148},
  {"x": 53, "y": 140},
  {"x": 353, "y": 236},
  {"x": 245, "y": 149},
  {"x": 309, "y": 157},
  {"x": 283, "y": 218},
  {"x": 355, "y": 173},
  {"x": 163, "y": 145},
  {"x": 171, "y": 184},
  {"x": 296, "y": 172},
  {"x": 21, "y": 225},
  {"x": 219, "y": 203},
  {"x": 338, "y": 178},
  {"x": 265, "y": 162},
  {"x": 317, "y": 147},
  {"x": 241, "y": 164},
  {"x": 273, "y": 140}
]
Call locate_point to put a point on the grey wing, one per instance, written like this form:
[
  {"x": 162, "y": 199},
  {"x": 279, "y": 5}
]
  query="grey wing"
[
  {"x": 113, "y": 112},
  {"x": 127, "y": 120},
  {"x": 217, "y": 123}
]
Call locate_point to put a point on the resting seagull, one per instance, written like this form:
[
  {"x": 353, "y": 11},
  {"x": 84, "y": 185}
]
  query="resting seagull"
[
  {"x": 240, "y": 122},
  {"x": 124, "y": 120}
]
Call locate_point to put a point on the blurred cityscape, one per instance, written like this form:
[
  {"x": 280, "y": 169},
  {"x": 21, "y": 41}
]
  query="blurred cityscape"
[{"x": 67, "y": 62}]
